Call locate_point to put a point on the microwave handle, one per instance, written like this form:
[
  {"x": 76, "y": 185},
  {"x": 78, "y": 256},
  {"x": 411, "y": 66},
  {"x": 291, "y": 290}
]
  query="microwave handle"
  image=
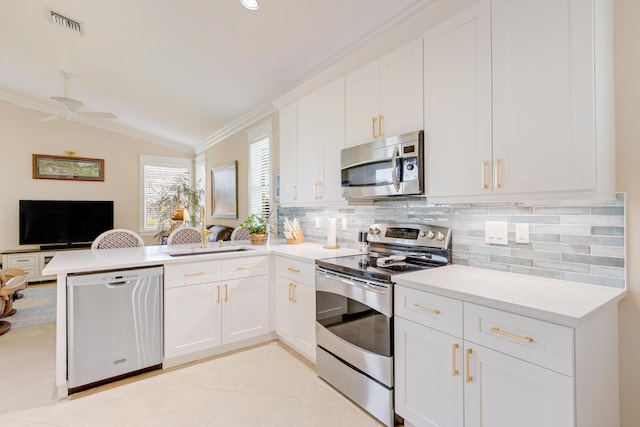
[{"x": 394, "y": 166}]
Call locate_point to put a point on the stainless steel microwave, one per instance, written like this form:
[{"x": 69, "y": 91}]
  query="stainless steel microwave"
[{"x": 386, "y": 167}]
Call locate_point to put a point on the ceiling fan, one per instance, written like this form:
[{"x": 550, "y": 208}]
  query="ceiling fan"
[{"x": 71, "y": 107}]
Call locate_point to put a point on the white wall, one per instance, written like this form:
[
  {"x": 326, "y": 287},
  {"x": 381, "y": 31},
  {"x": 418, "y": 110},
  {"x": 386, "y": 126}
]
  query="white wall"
[
  {"x": 21, "y": 135},
  {"x": 627, "y": 92}
]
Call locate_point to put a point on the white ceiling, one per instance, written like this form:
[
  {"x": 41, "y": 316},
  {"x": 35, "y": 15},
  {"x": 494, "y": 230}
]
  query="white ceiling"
[{"x": 178, "y": 72}]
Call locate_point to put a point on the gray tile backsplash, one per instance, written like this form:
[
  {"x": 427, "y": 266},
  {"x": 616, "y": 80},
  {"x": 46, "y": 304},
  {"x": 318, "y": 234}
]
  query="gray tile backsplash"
[{"x": 581, "y": 241}]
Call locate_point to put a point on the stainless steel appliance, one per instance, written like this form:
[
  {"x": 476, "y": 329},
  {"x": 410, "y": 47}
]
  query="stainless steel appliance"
[
  {"x": 114, "y": 325},
  {"x": 385, "y": 167},
  {"x": 354, "y": 310}
]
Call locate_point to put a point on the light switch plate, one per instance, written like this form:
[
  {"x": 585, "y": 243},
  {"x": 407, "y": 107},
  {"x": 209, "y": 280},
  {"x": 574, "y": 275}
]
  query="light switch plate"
[
  {"x": 317, "y": 222},
  {"x": 496, "y": 232},
  {"x": 522, "y": 233},
  {"x": 344, "y": 224}
]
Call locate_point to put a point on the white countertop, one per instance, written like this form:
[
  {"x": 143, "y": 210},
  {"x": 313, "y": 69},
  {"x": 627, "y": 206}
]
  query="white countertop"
[
  {"x": 558, "y": 301},
  {"x": 77, "y": 261}
]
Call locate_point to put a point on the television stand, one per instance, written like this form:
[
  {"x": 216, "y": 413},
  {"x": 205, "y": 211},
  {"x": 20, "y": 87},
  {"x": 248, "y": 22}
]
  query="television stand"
[
  {"x": 63, "y": 246},
  {"x": 33, "y": 260}
]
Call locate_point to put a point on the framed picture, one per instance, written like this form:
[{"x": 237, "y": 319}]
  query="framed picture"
[
  {"x": 224, "y": 190},
  {"x": 67, "y": 168}
]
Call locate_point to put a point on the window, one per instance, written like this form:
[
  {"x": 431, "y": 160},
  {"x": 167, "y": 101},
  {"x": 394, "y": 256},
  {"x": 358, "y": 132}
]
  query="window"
[
  {"x": 156, "y": 171},
  {"x": 260, "y": 170}
]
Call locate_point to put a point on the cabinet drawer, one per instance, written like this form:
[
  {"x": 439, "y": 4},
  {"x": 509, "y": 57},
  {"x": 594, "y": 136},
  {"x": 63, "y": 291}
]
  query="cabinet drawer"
[
  {"x": 536, "y": 341},
  {"x": 295, "y": 270},
  {"x": 245, "y": 267},
  {"x": 22, "y": 260},
  {"x": 192, "y": 273},
  {"x": 425, "y": 308}
]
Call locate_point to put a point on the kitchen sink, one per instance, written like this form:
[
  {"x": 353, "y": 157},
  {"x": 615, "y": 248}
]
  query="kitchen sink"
[{"x": 201, "y": 251}]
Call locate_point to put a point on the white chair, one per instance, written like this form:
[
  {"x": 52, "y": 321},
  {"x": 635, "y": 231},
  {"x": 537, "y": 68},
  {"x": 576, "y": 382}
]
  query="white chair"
[
  {"x": 240, "y": 233},
  {"x": 117, "y": 238},
  {"x": 184, "y": 235}
]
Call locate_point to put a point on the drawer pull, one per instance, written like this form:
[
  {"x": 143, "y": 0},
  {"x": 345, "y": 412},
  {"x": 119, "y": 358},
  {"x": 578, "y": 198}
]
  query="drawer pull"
[
  {"x": 200, "y": 273},
  {"x": 454, "y": 350},
  {"x": 248, "y": 267},
  {"x": 226, "y": 293},
  {"x": 218, "y": 286},
  {"x": 294, "y": 293},
  {"x": 513, "y": 336},
  {"x": 294, "y": 270},
  {"x": 427, "y": 309},
  {"x": 466, "y": 365}
]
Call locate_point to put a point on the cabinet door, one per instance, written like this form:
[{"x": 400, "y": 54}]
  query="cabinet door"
[
  {"x": 457, "y": 68},
  {"x": 192, "y": 319},
  {"x": 304, "y": 302},
  {"x": 288, "y": 154},
  {"x": 543, "y": 87},
  {"x": 401, "y": 91},
  {"x": 245, "y": 308},
  {"x": 502, "y": 391},
  {"x": 362, "y": 103},
  {"x": 284, "y": 309},
  {"x": 331, "y": 127},
  {"x": 309, "y": 161},
  {"x": 428, "y": 375}
]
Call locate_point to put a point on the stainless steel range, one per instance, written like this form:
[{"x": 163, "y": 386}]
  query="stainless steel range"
[{"x": 354, "y": 310}]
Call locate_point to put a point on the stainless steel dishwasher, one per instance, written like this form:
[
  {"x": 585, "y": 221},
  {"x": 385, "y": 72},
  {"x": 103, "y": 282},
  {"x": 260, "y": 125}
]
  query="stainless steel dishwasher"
[{"x": 114, "y": 325}]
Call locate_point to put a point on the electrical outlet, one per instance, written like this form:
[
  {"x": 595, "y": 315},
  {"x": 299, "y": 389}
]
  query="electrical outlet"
[
  {"x": 496, "y": 232},
  {"x": 522, "y": 233},
  {"x": 317, "y": 222},
  {"x": 344, "y": 224}
]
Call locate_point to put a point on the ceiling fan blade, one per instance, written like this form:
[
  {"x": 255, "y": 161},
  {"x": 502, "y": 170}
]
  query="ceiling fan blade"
[
  {"x": 98, "y": 115},
  {"x": 60, "y": 115},
  {"x": 73, "y": 105}
]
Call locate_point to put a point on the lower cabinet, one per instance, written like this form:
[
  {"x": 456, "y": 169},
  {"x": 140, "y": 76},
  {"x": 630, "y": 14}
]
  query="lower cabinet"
[
  {"x": 201, "y": 316},
  {"x": 296, "y": 305},
  {"x": 500, "y": 369}
]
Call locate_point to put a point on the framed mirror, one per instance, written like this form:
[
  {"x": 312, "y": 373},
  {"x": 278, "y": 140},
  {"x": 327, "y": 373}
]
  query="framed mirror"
[{"x": 224, "y": 190}]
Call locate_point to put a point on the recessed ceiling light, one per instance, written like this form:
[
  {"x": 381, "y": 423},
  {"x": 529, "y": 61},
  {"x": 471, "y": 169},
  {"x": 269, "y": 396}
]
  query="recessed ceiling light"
[{"x": 250, "y": 4}]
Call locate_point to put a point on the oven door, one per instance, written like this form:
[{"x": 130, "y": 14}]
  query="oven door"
[{"x": 354, "y": 322}]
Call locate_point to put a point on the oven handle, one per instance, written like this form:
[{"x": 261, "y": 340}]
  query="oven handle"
[{"x": 358, "y": 284}]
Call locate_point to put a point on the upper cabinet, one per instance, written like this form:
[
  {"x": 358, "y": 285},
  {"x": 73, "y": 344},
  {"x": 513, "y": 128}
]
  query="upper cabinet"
[
  {"x": 385, "y": 98},
  {"x": 312, "y": 135},
  {"x": 519, "y": 99}
]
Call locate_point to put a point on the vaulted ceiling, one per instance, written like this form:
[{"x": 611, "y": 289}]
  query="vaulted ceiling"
[{"x": 178, "y": 72}]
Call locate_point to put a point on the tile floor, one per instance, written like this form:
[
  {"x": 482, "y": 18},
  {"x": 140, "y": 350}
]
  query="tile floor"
[{"x": 262, "y": 386}]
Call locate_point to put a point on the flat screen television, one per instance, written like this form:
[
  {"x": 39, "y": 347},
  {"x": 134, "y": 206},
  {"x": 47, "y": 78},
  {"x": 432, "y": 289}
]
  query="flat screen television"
[{"x": 62, "y": 223}]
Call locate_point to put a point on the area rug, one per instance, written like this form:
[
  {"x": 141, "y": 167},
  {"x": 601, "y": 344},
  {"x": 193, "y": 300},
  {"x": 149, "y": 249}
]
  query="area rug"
[{"x": 38, "y": 306}]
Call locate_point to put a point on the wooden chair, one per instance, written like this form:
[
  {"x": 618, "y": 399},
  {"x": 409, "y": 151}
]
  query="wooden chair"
[
  {"x": 117, "y": 238},
  {"x": 184, "y": 235}
]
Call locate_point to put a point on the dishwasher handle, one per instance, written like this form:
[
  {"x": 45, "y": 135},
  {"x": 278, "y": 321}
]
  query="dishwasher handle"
[{"x": 117, "y": 284}]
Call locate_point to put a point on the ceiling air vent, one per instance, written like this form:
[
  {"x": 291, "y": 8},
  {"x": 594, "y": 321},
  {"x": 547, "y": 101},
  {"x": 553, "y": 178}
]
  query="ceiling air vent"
[{"x": 67, "y": 23}]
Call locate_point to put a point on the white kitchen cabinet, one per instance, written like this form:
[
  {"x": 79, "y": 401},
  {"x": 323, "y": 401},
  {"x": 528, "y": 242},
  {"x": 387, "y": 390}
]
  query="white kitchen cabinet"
[
  {"x": 500, "y": 369},
  {"x": 518, "y": 99},
  {"x": 385, "y": 98},
  {"x": 296, "y": 305},
  {"x": 211, "y": 303},
  {"x": 313, "y": 135}
]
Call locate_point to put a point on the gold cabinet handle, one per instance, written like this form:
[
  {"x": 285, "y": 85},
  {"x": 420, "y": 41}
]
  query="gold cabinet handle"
[
  {"x": 484, "y": 175},
  {"x": 290, "y": 292},
  {"x": 468, "y": 353},
  {"x": 295, "y": 192},
  {"x": 454, "y": 350},
  {"x": 511, "y": 335},
  {"x": 294, "y": 292},
  {"x": 246, "y": 267},
  {"x": 319, "y": 190},
  {"x": 226, "y": 293},
  {"x": 427, "y": 309},
  {"x": 496, "y": 177},
  {"x": 380, "y": 131},
  {"x": 200, "y": 273},
  {"x": 294, "y": 270},
  {"x": 218, "y": 286},
  {"x": 374, "y": 121}
]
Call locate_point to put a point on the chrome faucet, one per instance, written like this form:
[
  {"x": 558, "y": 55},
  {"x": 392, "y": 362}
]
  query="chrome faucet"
[{"x": 204, "y": 232}]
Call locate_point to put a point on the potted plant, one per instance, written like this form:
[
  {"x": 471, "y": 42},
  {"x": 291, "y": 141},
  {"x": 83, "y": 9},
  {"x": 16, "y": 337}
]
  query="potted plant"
[
  {"x": 257, "y": 228},
  {"x": 173, "y": 195}
]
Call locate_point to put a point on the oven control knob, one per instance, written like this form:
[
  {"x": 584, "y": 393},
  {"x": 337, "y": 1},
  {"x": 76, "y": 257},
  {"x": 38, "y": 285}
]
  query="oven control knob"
[
  {"x": 376, "y": 231},
  {"x": 430, "y": 234},
  {"x": 440, "y": 236},
  {"x": 422, "y": 234}
]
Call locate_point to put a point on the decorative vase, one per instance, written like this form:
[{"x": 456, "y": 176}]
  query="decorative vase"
[{"x": 258, "y": 238}]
